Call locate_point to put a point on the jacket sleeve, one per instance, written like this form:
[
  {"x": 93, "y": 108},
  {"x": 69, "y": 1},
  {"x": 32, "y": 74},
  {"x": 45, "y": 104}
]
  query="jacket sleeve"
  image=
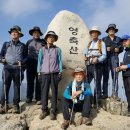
[
  {"x": 3, "y": 51},
  {"x": 25, "y": 53},
  {"x": 67, "y": 92},
  {"x": 88, "y": 90},
  {"x": 121, "y": 48},
  {"x": 40, "y": 56},
  {"x": 128, "y": 66},
  {"x": 60, "y": 59}
]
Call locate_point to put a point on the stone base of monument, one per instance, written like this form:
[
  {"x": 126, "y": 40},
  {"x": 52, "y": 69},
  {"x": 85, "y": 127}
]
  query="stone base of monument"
[
  {"x": 66, "y": 78},
  {"x": 113, "y": 106}
]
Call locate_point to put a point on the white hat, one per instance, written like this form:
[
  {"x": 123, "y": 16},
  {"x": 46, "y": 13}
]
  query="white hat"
[{"x": 95, "y": 28}]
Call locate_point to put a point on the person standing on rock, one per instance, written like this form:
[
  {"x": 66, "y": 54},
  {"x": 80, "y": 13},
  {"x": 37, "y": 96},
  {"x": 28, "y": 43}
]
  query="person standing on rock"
[
  {"x": 49, "y": 69},
  {"x": 13, "y": 56},
  {"x": 95, "y": 54},
  {"x": 77, "y": 96},
  {"x": 114, "y": 48},
  {"x": 125, "y": 67},
  {"x": 33, "y": 83}
]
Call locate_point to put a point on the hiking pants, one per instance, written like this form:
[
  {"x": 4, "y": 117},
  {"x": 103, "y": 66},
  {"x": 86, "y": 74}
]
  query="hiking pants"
[
  {"x": 33, "y": 84},
  {"x": 49, "y": 80},
  {"x": 126, "y": 81},
  {"x": 84, "y": 107},
  {"x": 9, "y": 75},
  {"x": 90, "y": 74}
]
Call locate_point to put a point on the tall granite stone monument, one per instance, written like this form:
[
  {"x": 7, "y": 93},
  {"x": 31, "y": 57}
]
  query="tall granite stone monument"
[{"x": 73, "y": 38}]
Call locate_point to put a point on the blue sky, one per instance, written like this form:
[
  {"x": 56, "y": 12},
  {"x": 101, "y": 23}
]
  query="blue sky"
[{"x": 28, "y": 13}]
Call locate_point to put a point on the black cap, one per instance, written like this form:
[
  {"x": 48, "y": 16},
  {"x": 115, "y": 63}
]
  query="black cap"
[
  {"x": 112, "y": 26},
  {"x": 35, "y": 28}
]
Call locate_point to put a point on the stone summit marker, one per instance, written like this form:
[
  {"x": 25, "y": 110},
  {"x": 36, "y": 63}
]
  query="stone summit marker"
[{"x": 73, "y": 38}]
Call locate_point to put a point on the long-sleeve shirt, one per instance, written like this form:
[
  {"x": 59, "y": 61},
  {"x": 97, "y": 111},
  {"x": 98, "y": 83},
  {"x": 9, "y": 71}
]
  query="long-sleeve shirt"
[
  {"x": 33, "y": 46},
  {"x": 94, "y": 45},
  {"x": 68, "y": 91},
  {"x": 126, "y": 61},
  {"x": 49, "y": 60},
  {"x": 14, "y": 52}
]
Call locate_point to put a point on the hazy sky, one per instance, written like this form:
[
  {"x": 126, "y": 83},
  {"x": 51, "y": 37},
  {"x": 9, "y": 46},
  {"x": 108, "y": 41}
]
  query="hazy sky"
[{"x": 28, "y": 13}]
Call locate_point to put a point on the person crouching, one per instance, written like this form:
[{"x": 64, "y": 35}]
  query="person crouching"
[{"x": 77, "y": 97}]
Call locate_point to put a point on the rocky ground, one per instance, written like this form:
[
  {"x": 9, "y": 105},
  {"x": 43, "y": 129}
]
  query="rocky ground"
[{"x": 29, "y": 120}]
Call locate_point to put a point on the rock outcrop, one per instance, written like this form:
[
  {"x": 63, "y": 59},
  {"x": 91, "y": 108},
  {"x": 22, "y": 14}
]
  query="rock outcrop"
[{"x": 29, "y": 120}]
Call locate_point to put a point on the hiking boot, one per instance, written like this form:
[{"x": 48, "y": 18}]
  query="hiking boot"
[
  {"x": 52, "y": 115},
  {"x": 2, "y": 109},
  {"x": 43, "y": 115},
  {"x": 128, "y": 114},
  {"x": 65, "y": 124},
  {"x": 79, "y": 121},
  {"x": 16, "y": 109},
  {"x": 115, "y": 96},
  {"x": 87, "y": 121},
  {"x": 104, "y": 96},
  {"x": 29, "y": 100},
  {"x": 39, "y": 102}
]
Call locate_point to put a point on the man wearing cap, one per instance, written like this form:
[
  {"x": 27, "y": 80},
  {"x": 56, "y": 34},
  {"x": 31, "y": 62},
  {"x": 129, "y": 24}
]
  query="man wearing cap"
[
  {"x": 114, "y": 48},
  {"x": 125, "y": 67},
  {"x": 33, "y": 83},
  {"x": 50, "y": 69},
  {"x": 77, "y": 96},
  {"x": 95, "y": 54},
  {"x": 13, "y": 55}
]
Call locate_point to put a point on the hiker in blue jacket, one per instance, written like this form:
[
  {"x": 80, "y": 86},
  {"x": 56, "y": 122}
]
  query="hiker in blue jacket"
[
  {"x": 125, "y": 68},
  {"x": 13, "y": 56},
  {"x": 49, "y": 69},
  {"x": 78, "y": 95}
]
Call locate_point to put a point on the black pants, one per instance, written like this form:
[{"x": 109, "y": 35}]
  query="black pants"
[
  {"x": 90, "y": 74},
  {"x": 108, "y": 66},
  {"x": 126, "y": 81},
  {"x": 84, "y": 107},
  {"x": 47, "y": 81},
  {"x": 8, "y": 75},
  {"x": 31, "y": 82}
]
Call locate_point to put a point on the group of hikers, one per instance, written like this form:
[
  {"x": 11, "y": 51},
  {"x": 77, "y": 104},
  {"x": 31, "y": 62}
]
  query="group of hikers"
[{"x": 42, "y": 60}]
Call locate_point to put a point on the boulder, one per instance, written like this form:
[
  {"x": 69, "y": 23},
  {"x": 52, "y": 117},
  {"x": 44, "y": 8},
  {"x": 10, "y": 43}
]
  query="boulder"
[{"x": 73, "y": 37}]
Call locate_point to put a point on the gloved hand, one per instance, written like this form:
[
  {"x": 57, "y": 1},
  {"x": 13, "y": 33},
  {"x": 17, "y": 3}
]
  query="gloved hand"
[{"x": 59, "y": 77}]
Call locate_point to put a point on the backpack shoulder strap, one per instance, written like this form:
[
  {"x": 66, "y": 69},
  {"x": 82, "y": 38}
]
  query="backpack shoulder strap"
[
  {"x": 100, "y": 45},
  {"x": 7, "y": 44},
  {"x": 89, "y": 44}
]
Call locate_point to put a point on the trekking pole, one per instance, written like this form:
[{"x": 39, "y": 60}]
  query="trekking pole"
[
  {"x": 71, "y": 115},
  {"x": 122, "y": 94},
  {"x": 95, "y": 89},
  {"x": 5, "y": 91},
  {"x": 86, "y": 69},
  {"x": 20, "y": 80},
  {"x": 113, "y": 86}
]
